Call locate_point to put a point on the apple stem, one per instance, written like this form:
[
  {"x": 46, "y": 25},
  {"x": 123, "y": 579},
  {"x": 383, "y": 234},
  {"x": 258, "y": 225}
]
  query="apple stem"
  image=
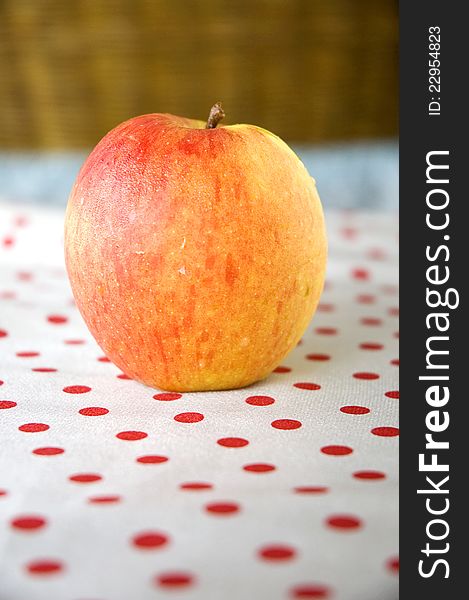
[{"x": 216, "y": 115}]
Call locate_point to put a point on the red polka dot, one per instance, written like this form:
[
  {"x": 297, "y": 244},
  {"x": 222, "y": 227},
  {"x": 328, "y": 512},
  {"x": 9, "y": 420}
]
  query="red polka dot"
[
  {"x": 196, "y": 486},
  {"x": 85, "y": 477},
  {"x": 276, "y": 552},
  {"x": 222, "y": 508},
  {"x": 369, "y": 475},
  {"x": 323, "y": 307},
  {"x": 307, "y": 386},
  {"x": 393, "y": 394},
  {"x": 33, "y": 427},
  {"x": 93, "y": 411},
  {"x": 131, "y": 436},
  {"x": 310, "y": 590},
  {"x": 395, "y": 362},
  {"x": 371, "y": 346},
  {"x": 393, "y": 311},
  {"x": 174, "y": 579},
  {"x": 3, "y": 333},
  {"x": 376, "y": 254},
  {"x": 28, "y": 522},
  {"x": 189, "y": 417},
  {"x": 348, "y": 232},
  {"x": 360, "y": 274},
  {"x": 123, "y": 376},
  {"x": 367, "y": 376},
  {"x": 286, "y": 424},
  {"x": 259, "y": 468},
  {"x": 7, "y": 295},
  {"x": 48, "y": 451},
  {"x": 366, "y": 299},
  {"x": 385, "y": 431},
  {"x": 8, "y": 241},
  {"x": 27, "y": 354},
  {"x": 326, "y": 330},
  {"x": 355, "y": 410},
  {"x": 318, "y": 357},
  {"x": 396, "y": 334},
  {"x": 371, "y": 321},
  {"x": 7, "y": 404},
  {"x": 260, "y": 400},
  {"x": 232, "y": 442},
  {"x": 152, "y": 459},
  {"x": 311, "y": 489},
  {"x": 77, "y": 389},
  {"x": 104, "y": 359},
  {"x": 167, "y": 397},
  {"x": 57, "y": 319},
  {"x": 24, "y": 275},
  {"x": 336, "y": 450},
  {"x": 74, "y": 342},
  {"x": 109, "y": 499},
  {"x": 21, "y": 221},
  {"x": 3, "y": 493},
  {"x": 44, "y": 370},
  {"x": 149, "y": 540},
  {"x": 1, "y": 382},
  {"x": 44, "y": 567},
  {"x": 393, "y": 564},
  {"x": 281, "y": 369},
  {"x": 343, "y": 522}
]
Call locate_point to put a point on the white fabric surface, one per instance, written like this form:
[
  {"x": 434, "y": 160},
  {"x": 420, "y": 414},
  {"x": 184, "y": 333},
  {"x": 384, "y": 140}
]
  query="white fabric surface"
[{"x": 56, "y": 543}]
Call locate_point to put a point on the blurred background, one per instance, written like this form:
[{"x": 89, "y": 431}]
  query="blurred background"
[{"x": 322, "y": 74}]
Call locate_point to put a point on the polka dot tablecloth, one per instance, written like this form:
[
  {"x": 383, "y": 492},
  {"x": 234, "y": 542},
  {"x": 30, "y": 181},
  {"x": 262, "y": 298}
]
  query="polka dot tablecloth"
[{"x": 110, "y": 490}]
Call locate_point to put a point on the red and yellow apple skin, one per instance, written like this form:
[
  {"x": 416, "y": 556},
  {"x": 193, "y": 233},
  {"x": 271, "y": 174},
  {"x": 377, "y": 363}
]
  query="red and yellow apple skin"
[{"x": 196, "y": 256}]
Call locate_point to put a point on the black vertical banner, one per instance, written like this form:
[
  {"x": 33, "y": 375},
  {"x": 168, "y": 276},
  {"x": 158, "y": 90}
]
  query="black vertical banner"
[{"x": 434, "y": 271}]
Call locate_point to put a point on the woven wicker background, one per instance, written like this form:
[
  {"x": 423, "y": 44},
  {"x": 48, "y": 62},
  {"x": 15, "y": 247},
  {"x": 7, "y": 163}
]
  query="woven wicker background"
[{"x": 309, "y": 70}]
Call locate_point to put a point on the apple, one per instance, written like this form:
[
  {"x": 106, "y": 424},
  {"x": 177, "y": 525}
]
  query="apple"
[{"x": 196, "y": 253}]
